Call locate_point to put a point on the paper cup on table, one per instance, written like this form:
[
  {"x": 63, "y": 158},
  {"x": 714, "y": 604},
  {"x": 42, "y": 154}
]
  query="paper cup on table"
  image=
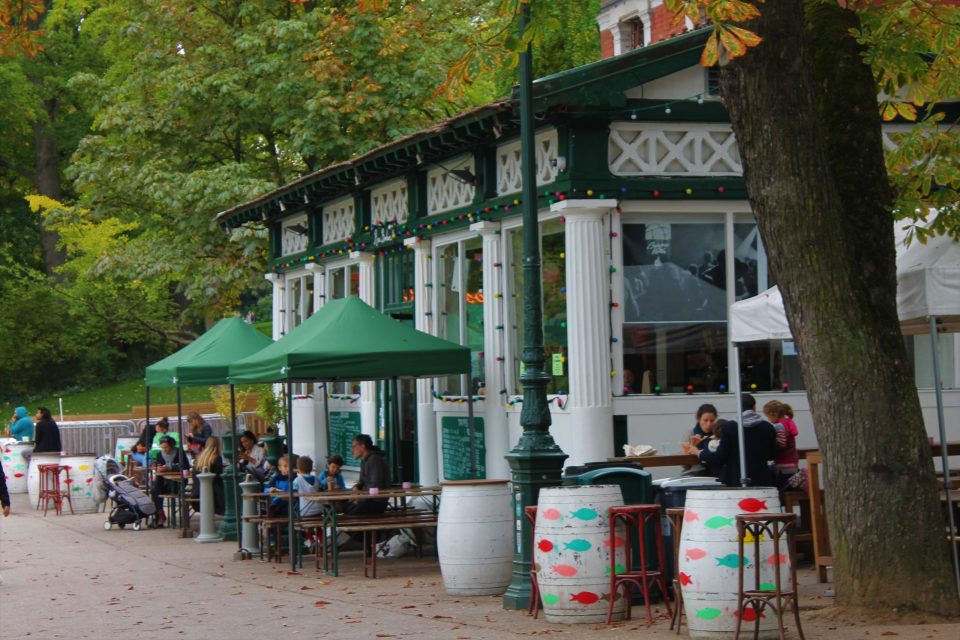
[
  {"x": 407, "y": 485},
  {"x": 374, "y": 491}
]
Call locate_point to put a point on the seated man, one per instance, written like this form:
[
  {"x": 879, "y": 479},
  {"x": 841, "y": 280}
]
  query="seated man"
[{"x": 374, "y": 474}]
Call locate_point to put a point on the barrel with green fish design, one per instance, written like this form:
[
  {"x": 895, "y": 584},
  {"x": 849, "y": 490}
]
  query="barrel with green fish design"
[
  {"x": 571, "y": 552},
  {"x": 14, "y": 464},
  {"x": 707, "y": 568}
]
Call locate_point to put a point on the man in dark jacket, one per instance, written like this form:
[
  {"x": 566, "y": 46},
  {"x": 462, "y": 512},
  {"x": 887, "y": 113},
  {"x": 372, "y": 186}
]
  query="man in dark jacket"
[
  {"x": 760, "y": 447},
  {"x": 374, "y": 474}
]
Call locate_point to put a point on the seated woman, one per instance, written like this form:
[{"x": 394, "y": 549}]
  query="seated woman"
[
  {"x": 171, "y": 458},
  {"x": 705, "y": 434},
  {"x": 162, "y": 429},
  {"x": 251, "y": 458},
  {"x": 210, "y": 460}
]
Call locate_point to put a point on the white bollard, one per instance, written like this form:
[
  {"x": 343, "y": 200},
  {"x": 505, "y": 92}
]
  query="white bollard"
[
  {"x": 248, "y": 534},
  {"x": 208, "y": 525}
]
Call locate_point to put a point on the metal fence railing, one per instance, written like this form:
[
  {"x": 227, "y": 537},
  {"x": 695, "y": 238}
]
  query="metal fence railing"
[{"x": 96, "y": 437}]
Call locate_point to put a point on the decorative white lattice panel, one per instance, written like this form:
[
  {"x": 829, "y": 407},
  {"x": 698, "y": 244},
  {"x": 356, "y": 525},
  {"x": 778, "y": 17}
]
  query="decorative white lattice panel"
[
  {"x": 338, "y": 220},
  {"x": 509, "y": 176},
  {"x": 644, "y": 148},
  {"x": 444, "y": 192},
  {"x": 389, "y": 203},
  {"x": 293, "y": 241}
]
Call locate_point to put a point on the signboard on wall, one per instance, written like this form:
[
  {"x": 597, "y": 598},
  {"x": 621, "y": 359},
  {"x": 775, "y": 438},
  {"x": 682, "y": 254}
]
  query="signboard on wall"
[
  {"x": 455, "y": 437},
  {"x": 344, "y": 425}
]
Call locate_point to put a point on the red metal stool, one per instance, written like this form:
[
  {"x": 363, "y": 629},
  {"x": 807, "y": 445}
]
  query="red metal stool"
[
  {"x": 775, "y": 527},
  {"x": 535, "y": 604},
  {"x": 675, "y": 516},
  {"x": 50, "y": 488},
  {"x": 67, "y": 488},
  {"x": 635, "y": 518}
]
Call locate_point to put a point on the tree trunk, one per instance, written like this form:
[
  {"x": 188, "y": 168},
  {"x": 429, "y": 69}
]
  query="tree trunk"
[
  {"x": 47, "y": 180},
  {"x": 804, "y": 110}
]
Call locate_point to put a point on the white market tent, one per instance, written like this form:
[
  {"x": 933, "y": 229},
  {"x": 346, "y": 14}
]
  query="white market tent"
[{"x": 928, "y": 301}]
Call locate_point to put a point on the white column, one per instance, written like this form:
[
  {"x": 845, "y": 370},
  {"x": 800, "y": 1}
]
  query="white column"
[
  {"x": 278, "y": 309},
  {"x": 590, "y": 434},
  {"x": 428, "y": 460},
  {"x": 319, "y": 418},
  {"x": 368, "y": 390},
  {"x": 493, "y": 409}
]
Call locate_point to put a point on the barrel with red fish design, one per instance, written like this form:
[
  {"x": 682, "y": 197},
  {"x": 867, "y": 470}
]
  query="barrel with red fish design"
[
  {"x": 708, "y": 563},
  {"x": 14, "y": 464},
  {"x": 572, "y": 550}
]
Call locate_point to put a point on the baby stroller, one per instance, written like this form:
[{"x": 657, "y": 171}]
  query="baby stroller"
[{"x": 129, "y": 505}]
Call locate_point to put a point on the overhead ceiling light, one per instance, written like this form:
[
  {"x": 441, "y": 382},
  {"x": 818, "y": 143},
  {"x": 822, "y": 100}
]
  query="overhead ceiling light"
[{"x": 461, "y": 175}]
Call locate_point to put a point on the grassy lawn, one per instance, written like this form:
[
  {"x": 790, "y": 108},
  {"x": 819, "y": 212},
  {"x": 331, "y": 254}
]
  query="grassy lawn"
[{"x": 114, "y": 398}]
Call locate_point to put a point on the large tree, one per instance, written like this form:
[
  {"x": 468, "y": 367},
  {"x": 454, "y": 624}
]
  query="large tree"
[{"x": 803, "y": 104}]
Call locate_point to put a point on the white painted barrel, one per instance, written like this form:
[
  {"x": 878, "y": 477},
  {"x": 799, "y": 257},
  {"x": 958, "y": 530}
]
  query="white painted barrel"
[
  {"x": 709, "y": 559},
  {"x": 571, "y": 552},
  {"x": 80, "y": 484},
  {"x": 15, "y": 466},
  {"x": 33, "y": 474},
  {"x": 475, "y": 537},
  {"x": 124, "y": 443}
]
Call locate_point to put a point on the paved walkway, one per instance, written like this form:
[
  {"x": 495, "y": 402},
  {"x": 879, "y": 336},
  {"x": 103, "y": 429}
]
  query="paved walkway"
[{"x": 66, "y": 577}]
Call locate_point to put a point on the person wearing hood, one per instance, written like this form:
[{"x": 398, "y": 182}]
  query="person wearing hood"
[
  {"x": 374, "y": 474},
  {"x": 48, "y": 433},
  {"x": 21, "y": 426},
  {"x": 760, "y": 446}
]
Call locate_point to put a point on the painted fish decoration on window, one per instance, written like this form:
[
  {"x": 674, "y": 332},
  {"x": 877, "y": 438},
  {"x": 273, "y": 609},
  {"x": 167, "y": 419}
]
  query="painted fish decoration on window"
[
  {"x": 689, "y": 515},
  {"x": 551, "y": 514},
  {"x": 550, "y": 599},
  {"x": 685, "y": 579},
  {"x": 750, "y": 614},
  {"x": 617, "y": 568},
  {"x": 545, "y": 545},
  {"x": 617, "y": 542}
]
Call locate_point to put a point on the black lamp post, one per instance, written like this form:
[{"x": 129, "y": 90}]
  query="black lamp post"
[{"x": 536, "y": 461}]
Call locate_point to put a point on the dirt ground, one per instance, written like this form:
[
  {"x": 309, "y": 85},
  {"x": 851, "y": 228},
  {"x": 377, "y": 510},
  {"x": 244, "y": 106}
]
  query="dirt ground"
[{"x": 66, "y": 577}]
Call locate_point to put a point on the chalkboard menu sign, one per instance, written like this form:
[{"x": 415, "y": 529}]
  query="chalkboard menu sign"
[
  {"x": 455, "y": 434},
  {"x": 344, "y": 425}
]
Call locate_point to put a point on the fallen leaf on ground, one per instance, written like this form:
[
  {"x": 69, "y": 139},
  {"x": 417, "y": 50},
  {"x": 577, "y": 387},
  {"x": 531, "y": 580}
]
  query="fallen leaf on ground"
[
  {"x": 305, "y": 587},
  {"x": 320, "y": 603}
]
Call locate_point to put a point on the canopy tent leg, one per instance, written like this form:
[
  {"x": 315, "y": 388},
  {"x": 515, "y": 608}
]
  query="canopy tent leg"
[
  {"x": 472, "y": 435},
  {"x": 184, "y": 524},
  {"x": 735, "y": 381},
  {"x": 397, "y": 453},
  {"x": 149, "y": 445},
  {"x": 326, "y": 421},
  {"x": 945, "y": 458},
  {"x": 236, "y": 487},
  {"x": 292, "y": 472}
]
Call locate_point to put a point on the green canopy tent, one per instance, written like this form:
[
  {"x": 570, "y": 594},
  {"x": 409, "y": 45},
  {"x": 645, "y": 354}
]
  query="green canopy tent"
[
  {"x": 205, "y": 362},
  {"x": 349, "y": 340}
]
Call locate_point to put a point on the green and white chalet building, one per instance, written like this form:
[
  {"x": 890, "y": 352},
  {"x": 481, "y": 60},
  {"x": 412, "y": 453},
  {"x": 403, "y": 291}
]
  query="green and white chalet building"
[{"x": 647, "y": 237}]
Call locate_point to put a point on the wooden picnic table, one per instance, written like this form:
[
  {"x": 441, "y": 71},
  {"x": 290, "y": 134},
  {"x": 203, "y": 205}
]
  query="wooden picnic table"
[{"x": 398, "y": 496}]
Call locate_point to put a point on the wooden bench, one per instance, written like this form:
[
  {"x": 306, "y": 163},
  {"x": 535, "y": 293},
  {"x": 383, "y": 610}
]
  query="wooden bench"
[
  {"x": 265, "y": 526},
  {"x": 370, "y": 526}
]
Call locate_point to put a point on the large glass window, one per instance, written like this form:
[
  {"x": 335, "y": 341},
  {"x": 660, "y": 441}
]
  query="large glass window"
[
  {"x": 675, "y": 308},
  {"x": 553, "y": 282},
  {"x": 460, "y": 296}
]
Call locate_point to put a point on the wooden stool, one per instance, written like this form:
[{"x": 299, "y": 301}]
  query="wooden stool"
[
  {"x": 50, "y": 488},
  {"x": 675, "y": 516},
  {"x": 535, "y": 604},
  {"x": 635, "y": 518},
  {"x": 776, "y": 527}
]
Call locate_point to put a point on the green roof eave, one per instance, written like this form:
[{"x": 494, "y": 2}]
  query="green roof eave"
[{"x": 605, "y": 82}]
